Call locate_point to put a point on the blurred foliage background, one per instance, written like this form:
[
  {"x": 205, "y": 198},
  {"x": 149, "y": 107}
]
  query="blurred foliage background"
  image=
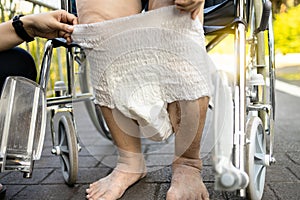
[
  {"x": 285, "y": 14},
  {"x": 287, "y": 30}
]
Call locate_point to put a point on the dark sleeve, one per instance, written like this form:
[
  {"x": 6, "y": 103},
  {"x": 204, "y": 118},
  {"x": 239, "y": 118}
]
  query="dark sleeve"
[
  {"x": 145, "y": 4},
  {"x": 16, "y": 62}
]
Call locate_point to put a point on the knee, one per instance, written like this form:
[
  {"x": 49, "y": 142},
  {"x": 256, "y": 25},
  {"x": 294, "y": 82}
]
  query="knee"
[{"x": 187, "y": 112}]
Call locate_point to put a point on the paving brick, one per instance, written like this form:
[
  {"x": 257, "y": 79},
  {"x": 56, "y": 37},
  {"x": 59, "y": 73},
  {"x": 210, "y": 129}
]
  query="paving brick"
[
  {"x": 80, "y": 193},
  {"x": 269, "y": 193},
  {"x": 159, "y": 174},
  {"x": 85, "y": 152},
  {"x": 160, "y": 149},
  {"x": 86, "y": 139},
  {"x": 294, "y": 156},
  {"x": 48, "y": 162},
  {"x": 279, "y": 174},
  {"x": 295, "y": 170},
  {"x": 87, "y": 161},
  {"x": 101, "y": 150},
  {"x": 109, "y": 161},
  {"x": 207, "y": 174},
  {"x": 159, "y": 160},
  {"x": 49, "y": 192},
  {"x": 282, "y": 159},
  {"x": 56, "y": 177},
  {"x": 282, "y": 145},
  {"x": 213, "y": 194},
  {"x": 17, "y": 177},
  {"x": 89, "y": 175},
  {"x": 287, "y": 190},
  {"x": 12, "y": 190},
  {"x": 141, "y": 191},
  {"x": 98, "y": 157},
  {"x": 162, "y": 192},
  {"x": 48, "y": 142},
  {"x": 171, "y": 139},
  {"x": 5, "y": 174},
  {"x": 207, "y": 160}
]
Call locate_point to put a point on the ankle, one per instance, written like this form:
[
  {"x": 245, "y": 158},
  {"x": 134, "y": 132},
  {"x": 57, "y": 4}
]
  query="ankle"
[
  {"x": 131, "y": 162},
  {"x": 195, "y": 163}
]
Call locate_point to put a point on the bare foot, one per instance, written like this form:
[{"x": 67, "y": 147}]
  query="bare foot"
[
  {"x": 130, "y": 168},
  {"x": 113, "y": 186},
  {"x": 186, "y": 181}
]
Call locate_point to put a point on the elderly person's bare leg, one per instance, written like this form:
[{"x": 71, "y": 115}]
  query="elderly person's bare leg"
[
  {"x": 130, "y": 167},
  {"x": 188, "y": 119}
]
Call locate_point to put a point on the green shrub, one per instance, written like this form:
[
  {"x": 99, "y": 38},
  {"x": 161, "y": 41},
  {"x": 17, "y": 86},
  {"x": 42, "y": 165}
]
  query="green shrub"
[{"x": 287, "y": 31}]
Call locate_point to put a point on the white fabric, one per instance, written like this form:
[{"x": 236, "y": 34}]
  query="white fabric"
[{"x": 141, "y": 63}]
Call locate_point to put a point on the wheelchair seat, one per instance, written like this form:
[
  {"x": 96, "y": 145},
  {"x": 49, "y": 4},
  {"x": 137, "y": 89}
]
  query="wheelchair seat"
[{"x": 218, "y": 15}]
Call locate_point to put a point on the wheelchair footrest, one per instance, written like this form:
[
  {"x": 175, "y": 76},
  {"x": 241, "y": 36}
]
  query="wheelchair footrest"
[
  {"x": 228, "y": 177},
  {"x": 22, "y": 124}
]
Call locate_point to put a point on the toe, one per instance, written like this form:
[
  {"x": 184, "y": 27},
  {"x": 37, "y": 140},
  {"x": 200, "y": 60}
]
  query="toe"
[{"x": 205, "y": 196}]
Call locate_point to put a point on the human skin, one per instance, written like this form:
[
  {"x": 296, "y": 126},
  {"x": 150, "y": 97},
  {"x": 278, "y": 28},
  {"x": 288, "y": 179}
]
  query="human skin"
[
  {"x": 91, "y": 11},
  {"x": 47, "y": 25},
  {"x": 195, "y": 7},
  {"x": 188, "y": 129}
]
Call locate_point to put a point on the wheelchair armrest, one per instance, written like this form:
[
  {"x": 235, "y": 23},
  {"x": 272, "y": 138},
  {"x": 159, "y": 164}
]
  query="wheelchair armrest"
[{"x": 61, "y": 42}]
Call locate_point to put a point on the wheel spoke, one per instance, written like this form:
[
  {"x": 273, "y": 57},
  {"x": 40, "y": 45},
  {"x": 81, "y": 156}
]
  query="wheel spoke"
[
  {"x": 259, "y": 158},
  {"x": 66, "y": 161},
  {"x": 259, "y": 143},
  {"x": 62, "y": 135},
  {"x": 64, "y": 150},
  {"x": 259, "y": 176}
]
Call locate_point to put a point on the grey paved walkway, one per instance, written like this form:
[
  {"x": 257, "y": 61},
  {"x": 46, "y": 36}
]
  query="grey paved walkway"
[{"x": 98, "y": 156}]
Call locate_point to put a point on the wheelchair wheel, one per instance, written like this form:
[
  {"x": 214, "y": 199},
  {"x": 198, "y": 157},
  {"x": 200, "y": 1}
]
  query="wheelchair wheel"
[
  {"x": 94, "y": 113},
  {"x": 66, "y": 147},
  {"x": 256, "y": 153}
]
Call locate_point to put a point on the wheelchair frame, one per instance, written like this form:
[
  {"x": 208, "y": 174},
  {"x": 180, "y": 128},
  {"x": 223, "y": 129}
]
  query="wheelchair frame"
[
  {"x": 250, "y": 99},
  {"x": 253, "y": 110}
]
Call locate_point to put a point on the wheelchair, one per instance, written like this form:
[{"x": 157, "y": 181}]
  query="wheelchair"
[
  {"x": 245, "y": 103},
  {"x": 245, "y": 100},
  {"x": 22, "y": 143}
]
